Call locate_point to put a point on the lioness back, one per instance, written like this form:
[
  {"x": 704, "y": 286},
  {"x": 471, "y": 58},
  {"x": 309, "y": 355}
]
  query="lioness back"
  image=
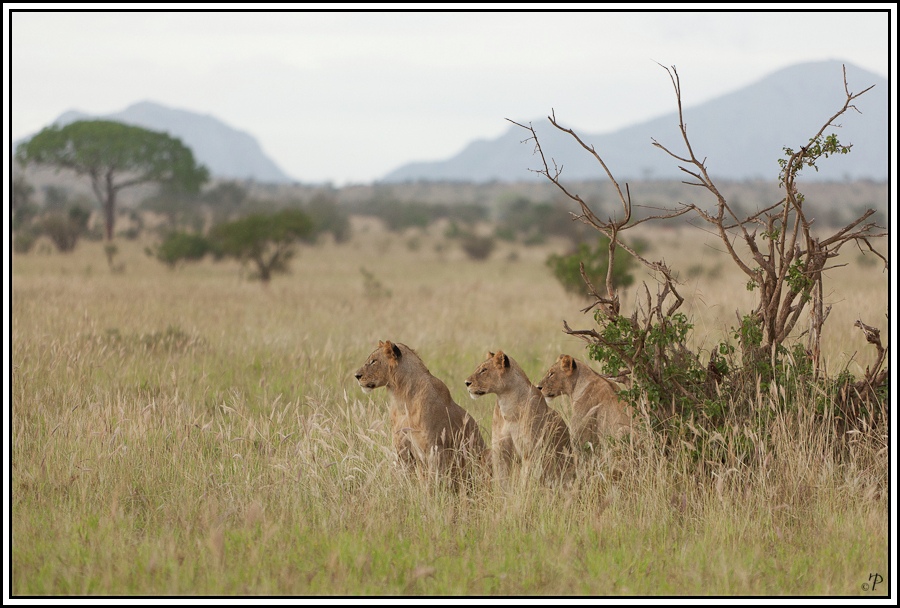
[
  {"x": 597, "y": 410},
  {"x": 430, "y": 430}
]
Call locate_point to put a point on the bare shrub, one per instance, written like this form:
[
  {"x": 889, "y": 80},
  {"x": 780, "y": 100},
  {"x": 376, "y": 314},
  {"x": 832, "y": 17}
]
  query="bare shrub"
[{"x": 784, "y": 261}]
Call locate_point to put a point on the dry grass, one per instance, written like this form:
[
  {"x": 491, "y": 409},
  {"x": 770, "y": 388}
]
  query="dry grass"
[{"x": 193, "y": 433}]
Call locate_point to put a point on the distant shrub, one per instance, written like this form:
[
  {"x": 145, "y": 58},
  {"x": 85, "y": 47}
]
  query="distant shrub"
[
  {"x": 505, "y": 233},
  {"x": 521, "y": 218},
  {"x": 180, "y": 247},
  {"x": 566, "y": 268},
  {"x": 266, "y": 240},
  {"x": 453, "y": 230},
  {"x": 24, "y": 240},
  {"x": 328, "y": 216},
  {"x": 478, "y": 247},
  {"x": 228, "y": 195},
  {"x": 64, "y": 229},
  {"x": 400, "y": 215},
  {"x": 24, "y": 215},
  {"x": 372, "y": 287}
]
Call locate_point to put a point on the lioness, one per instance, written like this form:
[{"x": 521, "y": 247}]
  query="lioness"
[
  {"x": 524, "y": 427},
  {"x": 597, "y": 410},
  {"x": 431, "y": 431}
]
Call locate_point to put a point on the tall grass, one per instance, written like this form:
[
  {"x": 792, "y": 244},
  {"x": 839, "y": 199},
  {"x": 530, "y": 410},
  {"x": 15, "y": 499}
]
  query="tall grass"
[{"x": 191, "y": 433}]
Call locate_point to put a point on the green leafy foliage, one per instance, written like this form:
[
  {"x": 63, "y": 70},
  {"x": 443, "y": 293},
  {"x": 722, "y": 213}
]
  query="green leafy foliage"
[
  {"x": 477, "y": 247},
  {"x": 663, "y": 371},
  {"x": 114, "y": 156},
  {"x": 822, "y": 146},
  {"x": 86, "y": 146},
  {"x": 180, "y": 247},
  {"x": 797, "y": 279},
  {"x": 266, "y": 240},
  {"x": 566, "y": 268}
]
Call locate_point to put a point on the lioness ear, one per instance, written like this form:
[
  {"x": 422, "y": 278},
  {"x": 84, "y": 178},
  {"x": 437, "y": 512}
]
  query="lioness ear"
[
  {"x": 489, "y": 355},
  {"x": 391, "y": 350},
  {"x": 501, "y": 359},
  {"x": 568, "y": 363}
]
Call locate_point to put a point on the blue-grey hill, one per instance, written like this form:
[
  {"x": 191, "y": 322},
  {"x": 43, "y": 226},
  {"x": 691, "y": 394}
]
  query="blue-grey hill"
[{"x": 741, "y": 134}]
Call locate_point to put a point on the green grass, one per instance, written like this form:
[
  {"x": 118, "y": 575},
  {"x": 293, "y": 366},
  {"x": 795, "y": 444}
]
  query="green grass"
[{"x": 192, "y": 433}]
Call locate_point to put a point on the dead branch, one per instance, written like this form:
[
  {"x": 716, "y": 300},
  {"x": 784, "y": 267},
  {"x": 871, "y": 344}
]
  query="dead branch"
[
  {"x": 787, "y": 270},
  {"x": 873, "y": 336}
]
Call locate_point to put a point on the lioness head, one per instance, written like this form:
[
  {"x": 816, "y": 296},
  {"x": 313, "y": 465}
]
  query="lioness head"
[
  {"x": 376, "y": 371},
  {"x": 489, "y": 377},
  {"x": 560, "y": 378}
]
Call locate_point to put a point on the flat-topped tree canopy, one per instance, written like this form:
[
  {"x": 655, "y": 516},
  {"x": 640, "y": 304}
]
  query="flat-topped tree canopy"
[{"x": 115, "y": 156}]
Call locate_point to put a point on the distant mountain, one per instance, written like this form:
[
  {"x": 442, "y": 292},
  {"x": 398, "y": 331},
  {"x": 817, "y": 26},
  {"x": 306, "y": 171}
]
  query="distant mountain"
[
  {"x": 741, "y": 134},
  {"x": 226, "y": 152}
]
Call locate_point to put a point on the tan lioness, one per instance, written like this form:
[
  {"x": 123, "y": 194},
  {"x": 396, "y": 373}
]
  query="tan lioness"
[
  {"x": 524, "y": 428},
  {"x": 431, "y": 431},
  {"x": 597, "y": 411}
]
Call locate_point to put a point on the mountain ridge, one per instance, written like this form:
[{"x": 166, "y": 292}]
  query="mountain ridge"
[{"x": 741, "y": 134}]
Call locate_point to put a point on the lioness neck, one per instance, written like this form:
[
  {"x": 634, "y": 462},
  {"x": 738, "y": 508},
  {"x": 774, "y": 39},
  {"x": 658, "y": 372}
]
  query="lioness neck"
[
  {"x": 580, "y": 381},
  {"x": 518, "y": 396}
]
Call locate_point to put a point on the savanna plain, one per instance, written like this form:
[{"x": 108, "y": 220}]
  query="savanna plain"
[{"x": 191, "y": 432}]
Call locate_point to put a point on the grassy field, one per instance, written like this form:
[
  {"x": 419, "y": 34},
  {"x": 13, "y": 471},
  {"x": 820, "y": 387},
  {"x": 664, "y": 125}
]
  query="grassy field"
[{"x": 191, "y": 432}]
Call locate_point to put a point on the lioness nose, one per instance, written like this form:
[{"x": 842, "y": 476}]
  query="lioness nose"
[
  {"x": 468, "y": 383},
  {"x": 539, "y": 387},
  {"x": 358, "y": 376}
]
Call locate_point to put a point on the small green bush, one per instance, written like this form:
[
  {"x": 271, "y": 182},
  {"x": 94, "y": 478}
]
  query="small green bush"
[
  {"x": 64, "y": 229},
  {"x": 23, "y": 240},
  {"x": 478, "y": 247},
  {"x": 266, "y": 240},
  {"x": 596, "y": 259},
  {"x": 181, "y": 246}
]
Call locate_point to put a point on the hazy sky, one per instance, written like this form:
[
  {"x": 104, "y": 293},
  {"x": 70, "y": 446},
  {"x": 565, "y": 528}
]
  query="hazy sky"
[{"x": 349, "y": 96}]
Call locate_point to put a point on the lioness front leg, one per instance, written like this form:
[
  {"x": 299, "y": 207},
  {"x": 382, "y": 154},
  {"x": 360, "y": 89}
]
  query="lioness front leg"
[{"x": 503, "y": 450}]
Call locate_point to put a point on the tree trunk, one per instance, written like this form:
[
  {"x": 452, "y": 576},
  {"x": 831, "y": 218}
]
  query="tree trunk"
[
  {"x": 109, "y": 212},
  {"x": 109, "y": 207}
]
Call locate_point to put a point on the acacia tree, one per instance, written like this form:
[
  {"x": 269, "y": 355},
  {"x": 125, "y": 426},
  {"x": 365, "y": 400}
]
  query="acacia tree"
[
  {"x": 267, "y": 240},
  {"x": 114, "y": 156},
  {"x": 783, "y": 259}
]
